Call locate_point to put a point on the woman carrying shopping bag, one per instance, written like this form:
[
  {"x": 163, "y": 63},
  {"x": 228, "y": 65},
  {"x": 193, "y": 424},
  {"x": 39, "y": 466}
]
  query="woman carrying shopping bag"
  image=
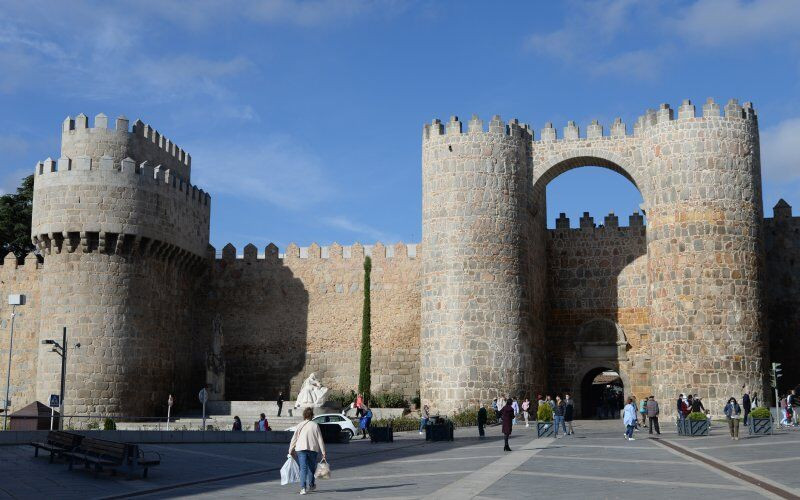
[{"x": 306, "y": 445}]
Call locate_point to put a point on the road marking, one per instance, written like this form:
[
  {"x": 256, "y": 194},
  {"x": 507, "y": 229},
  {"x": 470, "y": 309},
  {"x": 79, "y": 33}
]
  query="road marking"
[
  {"x": 738, "y": 445},
  {"x": 628, "y": 480},
  {"x": 205, "y": 453},
  {"x": 478, "y": 481},
  {"x": 760, "y": 484},
  {"x": 444, "y": 459},
  {"x": 766, "y": 460},
  {"x": 630, "y": 447},
  {"x": 621, "y": 460}
]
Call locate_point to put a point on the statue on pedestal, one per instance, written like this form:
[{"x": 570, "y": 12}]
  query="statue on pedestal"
[
  {"x": 312, "y": 393},
  {"x": 215, "y": 363}
]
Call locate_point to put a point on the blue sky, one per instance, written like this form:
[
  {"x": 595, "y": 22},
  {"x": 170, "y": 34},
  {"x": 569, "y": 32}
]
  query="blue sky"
[{"x": 304, "y": 118}]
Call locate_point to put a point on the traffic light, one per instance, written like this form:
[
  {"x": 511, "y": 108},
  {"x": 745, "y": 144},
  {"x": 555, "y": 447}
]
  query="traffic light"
[{"x": 775, "y": 374}]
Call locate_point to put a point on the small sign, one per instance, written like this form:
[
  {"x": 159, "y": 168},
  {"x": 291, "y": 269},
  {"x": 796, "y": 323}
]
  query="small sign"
[
  {"x": 203, "y": 396},
  {"x": 55, "y": 402},
  {"x": 170, "y": 401}
]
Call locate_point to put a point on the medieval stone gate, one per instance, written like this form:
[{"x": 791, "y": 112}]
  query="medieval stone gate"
[{"x": 485, "y": 304}]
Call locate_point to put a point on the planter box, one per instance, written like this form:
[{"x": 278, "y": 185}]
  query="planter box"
[
  {"x": 382, "y": 434},
  {"x": 696, "y": 427},
  {"x": 759, "y": 426},
  {"x": 545, "y": 429},
  {"x": 440, "y": 431}
]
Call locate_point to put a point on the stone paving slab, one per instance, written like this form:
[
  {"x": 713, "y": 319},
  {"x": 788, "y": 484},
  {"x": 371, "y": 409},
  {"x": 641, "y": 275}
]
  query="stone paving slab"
[{"x": 598, "y": 461}]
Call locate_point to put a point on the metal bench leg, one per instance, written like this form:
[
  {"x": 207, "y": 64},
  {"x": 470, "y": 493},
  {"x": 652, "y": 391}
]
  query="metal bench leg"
[
  {"x": 52, "y": 457},
  {"x": 70, "y": 463},
  {"x": 36, "y": 452},
  {"x": 144, "y": 474}
]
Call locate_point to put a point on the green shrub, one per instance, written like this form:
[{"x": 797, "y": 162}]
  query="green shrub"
[
  {"x": 365, "y": 365},
  {"x": 544, "y": 413},
  {"x": 388, "y": 400},
  {"x": 761, "y": 412},
  {"x": 345, "y": 399},
  {"x": 697, "y": 415},
  {"x": 109, "y": 425},
  {"x": 416, "y": 400},
  {"x": 398, "y": 424},
  {"x": 93, "y": 426},
  {"x": 466, "y": 418}
]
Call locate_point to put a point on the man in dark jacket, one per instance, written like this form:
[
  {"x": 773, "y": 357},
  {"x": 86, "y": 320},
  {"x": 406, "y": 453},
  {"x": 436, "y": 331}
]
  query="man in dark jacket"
[
  {"x": 746, "y": 405},
  {"x": 482, "y": 416},
  {"x": 507, "y": 417},
  {"x": 652, "y": 414},
  {"x": 280, "y": 402}
]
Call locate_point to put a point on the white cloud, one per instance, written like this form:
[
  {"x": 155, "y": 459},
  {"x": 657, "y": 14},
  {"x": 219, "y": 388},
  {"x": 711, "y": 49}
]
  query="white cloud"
[
  {"x": 737, "y": 22},
  {"x": 347, "y": 224},
  {"x": 275, "y": 170},
  {"x": 780, "y": 152}
]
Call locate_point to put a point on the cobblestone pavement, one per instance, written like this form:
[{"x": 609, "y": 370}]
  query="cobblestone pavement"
[{"x": 595, "y": 463}]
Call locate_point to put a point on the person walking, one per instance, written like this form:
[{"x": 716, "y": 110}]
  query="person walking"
[
  {"x": 364, "y": 421},
  {"x": 526, "y": 405},
  {"x": 237, "y": 424},
  {"x": 507, "y": 417},
  {"x": 682, "y": 408},
  {"x": 697, "y": 404},
  {"x": 643, "y": 411},
  {"x": 629, "y": 419},
  {"x": 746, "y": 405},
  {"x": 496, "y": 409},
  {"x": 359, "y": 405},
  {"x": 733, "y": 412},
  {"x": 794, "y": 404},
  {"x": 569, "y": 413},
  {"x": 652, "y": 414},
  {"x": 515, "y": 406},
  {"x": 305, "y": 446},
  {"x": 558, "y": 415},
  {"x": 280, "y": 402},
  {"x": 482, "y": 416},
  {"x": 426, "y": 414},
  {"x": 786, "y": 417}
]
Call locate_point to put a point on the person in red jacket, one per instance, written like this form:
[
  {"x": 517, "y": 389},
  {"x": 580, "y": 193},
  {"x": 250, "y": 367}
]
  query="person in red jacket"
[{"x": 507, "y": 417}]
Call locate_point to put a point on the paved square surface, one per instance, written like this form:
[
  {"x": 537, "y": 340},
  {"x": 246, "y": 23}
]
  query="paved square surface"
[{"x": 595, "y": 463}]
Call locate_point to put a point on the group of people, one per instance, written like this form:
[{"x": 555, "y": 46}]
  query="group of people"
[{"x": 649, "y": 411}]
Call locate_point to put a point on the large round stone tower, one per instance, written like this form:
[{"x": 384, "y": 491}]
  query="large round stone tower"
[
  {"x": 476, "y": 333},
  {"x": 119, "y": 226},
  {"x": 705, "y": 255}
]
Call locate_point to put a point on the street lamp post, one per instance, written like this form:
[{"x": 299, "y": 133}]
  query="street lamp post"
[{"x": 61, "y": 350}]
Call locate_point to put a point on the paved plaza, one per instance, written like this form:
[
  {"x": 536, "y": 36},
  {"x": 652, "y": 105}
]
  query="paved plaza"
[{"x": 595, "y": 463}]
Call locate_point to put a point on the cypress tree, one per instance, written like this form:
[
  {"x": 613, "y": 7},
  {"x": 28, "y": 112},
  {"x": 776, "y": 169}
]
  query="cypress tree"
[{"x": 364, "y": 377}]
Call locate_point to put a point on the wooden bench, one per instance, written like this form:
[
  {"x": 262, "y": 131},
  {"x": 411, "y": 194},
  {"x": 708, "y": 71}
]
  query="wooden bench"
[
  {"x": 57, "y": 443},
  {"x": 100, "y": 453}
]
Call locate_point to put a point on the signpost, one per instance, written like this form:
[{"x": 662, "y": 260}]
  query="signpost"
[
  {"x": 774, "y": 376},
  {"x": 203, "y": 396},
  {"x": 170, "y": 401},
  {"x": 55, "y": 402},
  {"x": 13, "y": 301}
]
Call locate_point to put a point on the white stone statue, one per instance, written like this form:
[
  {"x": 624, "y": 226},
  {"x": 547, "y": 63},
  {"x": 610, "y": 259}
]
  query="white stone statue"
[
  {"x": 312, "y": 394},
  {"x": 215, "y": 363}
]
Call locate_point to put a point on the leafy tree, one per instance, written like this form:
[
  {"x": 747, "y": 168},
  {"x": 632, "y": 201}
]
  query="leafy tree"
[
  {"x": 15, "y": 220},
  {"x": 364, "y": 376}
]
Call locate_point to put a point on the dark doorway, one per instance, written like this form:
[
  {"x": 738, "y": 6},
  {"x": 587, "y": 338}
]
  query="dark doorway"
[{"x": 601, "y": 393}]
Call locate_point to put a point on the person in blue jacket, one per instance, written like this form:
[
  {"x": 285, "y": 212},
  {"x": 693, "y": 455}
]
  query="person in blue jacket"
[{"x": 363, "y": 423}]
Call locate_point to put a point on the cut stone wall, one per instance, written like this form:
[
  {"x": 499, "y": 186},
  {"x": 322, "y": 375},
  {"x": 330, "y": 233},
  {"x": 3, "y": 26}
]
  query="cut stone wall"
[
  {"x": 597, "y": 273},
  {"x": 20, "y": 279},
  {"x": 284, "y": 318}
]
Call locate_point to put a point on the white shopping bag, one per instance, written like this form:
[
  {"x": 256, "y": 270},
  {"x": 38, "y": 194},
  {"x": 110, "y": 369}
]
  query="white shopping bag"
[
  {"x": 290, "y": 472},
  {"x": 323, "y": 470}
]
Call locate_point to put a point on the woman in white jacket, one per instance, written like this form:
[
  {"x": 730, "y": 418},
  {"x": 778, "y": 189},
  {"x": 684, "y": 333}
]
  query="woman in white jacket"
[
  {"x": 629, "y": 418},
  {"x": 305, "y": 446}
]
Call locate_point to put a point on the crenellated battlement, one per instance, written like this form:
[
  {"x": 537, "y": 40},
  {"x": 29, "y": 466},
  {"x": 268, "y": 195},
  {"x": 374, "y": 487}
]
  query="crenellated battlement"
[
  {"x": 142, "y": 142},
  {"x": 11, "y": 264},
  {"x": 356, "y": 252},
  {"x": 496, "y": 127},
  {"x": 144, "y": 173},
  {"x": 595, "y": 130},
  {"x": 587, "y": 224}
]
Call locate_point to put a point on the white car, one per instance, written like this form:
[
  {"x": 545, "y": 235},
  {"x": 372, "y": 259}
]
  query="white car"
[{"x": 333, "y": 418}]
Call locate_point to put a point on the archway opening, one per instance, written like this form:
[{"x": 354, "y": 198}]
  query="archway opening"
[
  {"x": 601, "y": 394},
  {"x": 592, "y": 191}
]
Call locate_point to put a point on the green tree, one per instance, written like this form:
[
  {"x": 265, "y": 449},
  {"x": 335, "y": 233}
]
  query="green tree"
[
  {"x": 364, "y": 376},
  {"x": 15, "y": 220}
]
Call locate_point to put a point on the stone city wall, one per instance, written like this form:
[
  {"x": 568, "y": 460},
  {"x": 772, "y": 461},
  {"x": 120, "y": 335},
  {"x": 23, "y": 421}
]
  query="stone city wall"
[
  {"x": 20, "y": 278},
  {"x": 284, "y": 317},
  {"x": 597, "y": 276},
  {"x": 782, "y": 246}
]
